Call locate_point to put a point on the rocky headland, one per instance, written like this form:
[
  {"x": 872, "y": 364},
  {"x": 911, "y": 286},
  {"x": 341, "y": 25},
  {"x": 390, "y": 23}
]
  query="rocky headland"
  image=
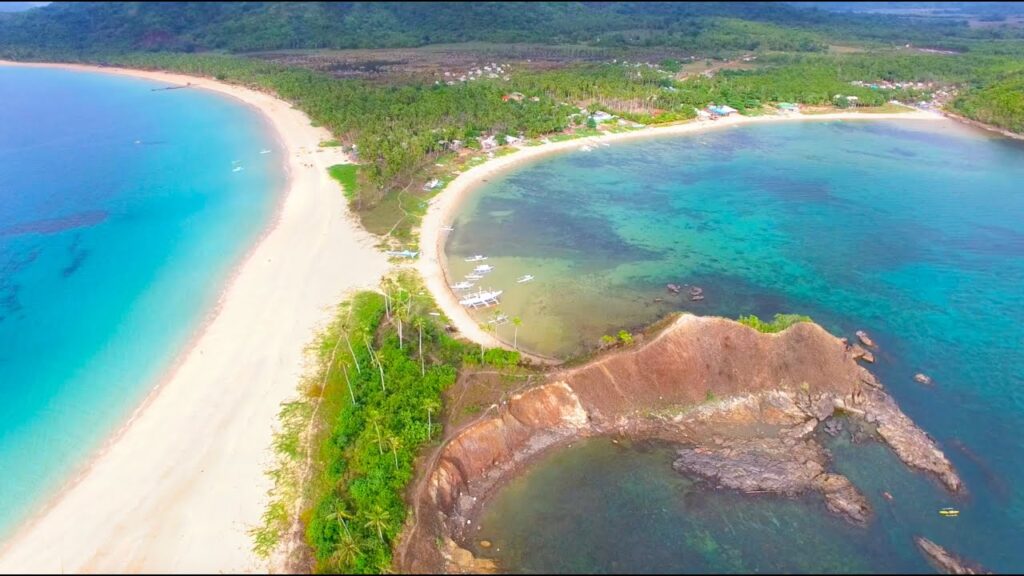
[{"x": 743, "y": 407}]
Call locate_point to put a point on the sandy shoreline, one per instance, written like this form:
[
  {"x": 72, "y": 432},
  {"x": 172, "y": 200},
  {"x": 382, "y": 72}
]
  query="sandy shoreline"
[
  {"x": 444, "y": 207},
  {"x": 180, "y": 484}
]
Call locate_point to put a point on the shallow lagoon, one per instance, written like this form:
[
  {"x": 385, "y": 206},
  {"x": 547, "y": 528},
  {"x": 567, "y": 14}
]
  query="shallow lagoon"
[{"x": 913, "y": 231}]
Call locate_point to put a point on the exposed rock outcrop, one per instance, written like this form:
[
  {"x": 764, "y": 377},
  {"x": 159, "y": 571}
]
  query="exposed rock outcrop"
[
  {"x": 945, "y": 561},
  {"x": 743, "y": 407}
]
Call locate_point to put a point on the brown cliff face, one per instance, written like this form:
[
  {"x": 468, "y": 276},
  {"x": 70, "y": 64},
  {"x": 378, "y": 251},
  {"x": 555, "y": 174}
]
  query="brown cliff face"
[{"x": 742, "y": 405}]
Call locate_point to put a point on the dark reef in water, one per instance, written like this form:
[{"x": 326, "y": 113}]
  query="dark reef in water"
[{"x": 743, "y": 407}]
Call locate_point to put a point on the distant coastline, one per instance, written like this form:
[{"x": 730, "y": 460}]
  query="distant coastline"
[
  {"x": 445, "y": 206},
  {"x": 180, "y": 483}
]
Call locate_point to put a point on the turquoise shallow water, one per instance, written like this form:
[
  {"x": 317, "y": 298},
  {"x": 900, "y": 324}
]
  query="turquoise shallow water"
[
  {"x": 121, "y": 217},
  {"x": 912, "y": 231}
]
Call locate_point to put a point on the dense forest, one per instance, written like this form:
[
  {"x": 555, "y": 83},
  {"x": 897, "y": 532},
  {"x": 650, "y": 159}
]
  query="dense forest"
[{"x": 96, "y": 27}]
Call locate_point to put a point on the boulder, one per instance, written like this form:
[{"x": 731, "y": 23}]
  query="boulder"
[
  {"x": 865, "y": 339},
  {"x": 923, "y": 379},
  {"x": 944, "y": 561}
]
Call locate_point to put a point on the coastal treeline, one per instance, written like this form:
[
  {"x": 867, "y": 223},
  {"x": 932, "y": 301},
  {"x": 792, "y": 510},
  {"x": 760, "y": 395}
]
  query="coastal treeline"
[
  {"x": 398, "y": 132},
  {"x": 348, "y": 446}
]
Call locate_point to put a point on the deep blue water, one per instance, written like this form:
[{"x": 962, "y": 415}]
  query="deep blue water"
[
  {"x": 912, "y": 231},
  {"x": 121, "y": 218}
]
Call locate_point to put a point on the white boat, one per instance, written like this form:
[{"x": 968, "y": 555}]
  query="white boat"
[
  {"x": 481, "y": 299},
  {"x": 236, "y": 169},
  {"x": 477, "y": 258},
  {"x": 524, "y": 279},
  {"x": 483, "y": 268},
  {"x": 264, "y": 151},
  {"x": 473, "y": 277},
  {"x": 462, "y": 286},
  {"x": 448, "y": 228},
  {"x": 586, "y": 148}
]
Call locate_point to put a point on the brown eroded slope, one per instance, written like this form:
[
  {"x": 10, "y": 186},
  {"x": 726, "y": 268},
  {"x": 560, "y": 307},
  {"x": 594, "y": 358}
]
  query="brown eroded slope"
[{"x": 742, "y": 406}]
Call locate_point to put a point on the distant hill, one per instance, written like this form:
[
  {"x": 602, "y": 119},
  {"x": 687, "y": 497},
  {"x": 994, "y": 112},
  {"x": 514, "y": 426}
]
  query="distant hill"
[
  {"x": 20, "y": 6},
  {"x": 90, "y": 27}
]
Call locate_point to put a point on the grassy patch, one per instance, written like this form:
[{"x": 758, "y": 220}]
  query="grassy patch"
[
  {"x": 348, "y": 176},
  {"x": 778, "y": 324},
  {"x": 330, "y": 144}
]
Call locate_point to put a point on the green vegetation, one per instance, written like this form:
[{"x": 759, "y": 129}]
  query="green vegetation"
[
  {"x": 401, "y": 128},
  {"x": 348, "y": 176},
  {"x": 1000, "y": 104},
  {"x": 248, "y": 26},
  {"x": 372, "y": 405},
  {"x": 330, "y": 143},
  {"x": 778, "y": 324},
  {"x": 626, "y": 338}
]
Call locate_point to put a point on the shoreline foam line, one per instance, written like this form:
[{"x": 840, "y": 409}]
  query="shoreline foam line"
[{"x": 180, "y": 484}]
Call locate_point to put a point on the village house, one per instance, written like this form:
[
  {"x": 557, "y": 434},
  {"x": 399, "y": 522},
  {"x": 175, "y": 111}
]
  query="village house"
[
  {"x": 488, "y": 143},
  {"x": 723, "y": 110}
]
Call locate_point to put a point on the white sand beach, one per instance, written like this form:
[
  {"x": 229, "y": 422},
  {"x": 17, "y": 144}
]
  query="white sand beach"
[
  {"x": 445, "y": 206},
  {"x": 182, "y": 482}
]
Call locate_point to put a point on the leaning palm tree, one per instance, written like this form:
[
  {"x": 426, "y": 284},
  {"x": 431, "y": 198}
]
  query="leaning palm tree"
[
  {"x": 346, "y": 552},
  {"x": 373, "y": 417},
  {"x": 341, "y": 514},
  {"x": 377, "y": 519}
]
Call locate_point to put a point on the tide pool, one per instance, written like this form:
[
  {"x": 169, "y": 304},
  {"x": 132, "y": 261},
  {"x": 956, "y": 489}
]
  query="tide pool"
[
  {"x": 123, "y": 211},
  {"x": 913, "y": 231}
]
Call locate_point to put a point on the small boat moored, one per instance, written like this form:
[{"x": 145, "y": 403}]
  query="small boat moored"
[
  {"x": 477, "y": 258},
  {"x": 525, "y": 278},
  {"x": 483, "y": 268},
  {"x": 462, "y": 286},
  {"x": 481, "y": 299}
]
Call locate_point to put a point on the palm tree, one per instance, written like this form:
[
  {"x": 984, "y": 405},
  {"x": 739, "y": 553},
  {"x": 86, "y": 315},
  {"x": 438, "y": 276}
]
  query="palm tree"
[
  {"x": 430, "y": 406},
  {"x": 395, "y": 443},
  {"x": 349, "y": 383},
  {"x": 353, "y": 353},
  {"x": 418, "y": 323},
  {"x": 341, "y": 514},
  {"x": 376, "y": 360},
  {"x": 517, "y": 322},
  {"x": 346, "y": 552},
  {"x": 377, "y": 519},
  {"x": 373, "y": 417}
]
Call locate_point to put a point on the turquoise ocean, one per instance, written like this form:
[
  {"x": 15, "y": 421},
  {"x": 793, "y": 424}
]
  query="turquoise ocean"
[
  {"x": 123, "y": 211},
  {"x": 912, "y": 231}
]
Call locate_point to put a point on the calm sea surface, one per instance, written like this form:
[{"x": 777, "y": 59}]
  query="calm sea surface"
[
  {"x": 913, "y": 231},
  {"x": 122, "y": 215}
]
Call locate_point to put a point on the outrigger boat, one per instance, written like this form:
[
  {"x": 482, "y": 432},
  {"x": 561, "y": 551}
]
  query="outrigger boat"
[
  {"x": 473, "y": 277},
  {"x": 524, "y": 279},
  {"x": 481, "y": 299},
  {"x": 483, "y": 268},
  {"x": 477, "y": 258},
  {"x": 462, "y": 286},
  {"x": 949, "y": 512}
]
